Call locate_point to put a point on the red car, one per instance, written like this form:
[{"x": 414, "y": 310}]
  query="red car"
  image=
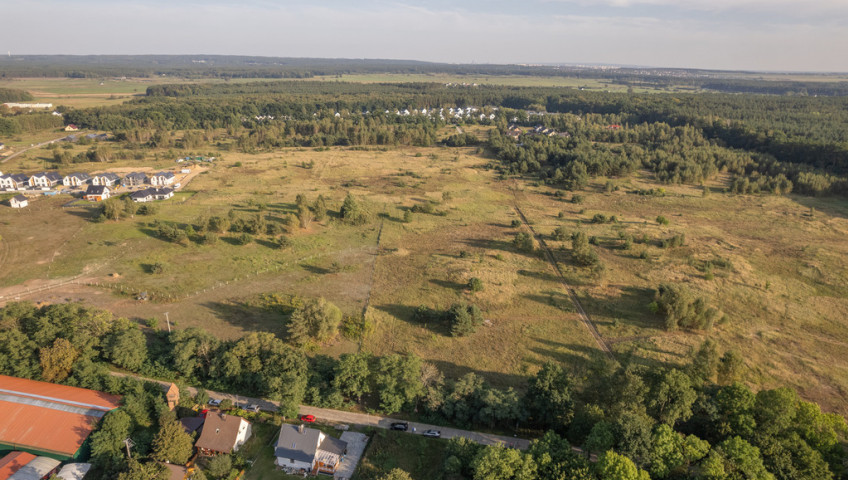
[{"x": 307, "y": 418}]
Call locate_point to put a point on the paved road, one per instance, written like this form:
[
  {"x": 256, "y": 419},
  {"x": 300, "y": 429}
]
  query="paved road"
[
  {"x": 325, "y": 415},
  {"x": 30, "y": 148}
]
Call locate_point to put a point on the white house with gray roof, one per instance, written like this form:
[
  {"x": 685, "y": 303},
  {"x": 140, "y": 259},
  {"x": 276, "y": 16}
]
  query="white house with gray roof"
[{"x": 300, "y": 448}]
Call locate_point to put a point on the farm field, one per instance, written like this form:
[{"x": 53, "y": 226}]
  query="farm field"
[{"x": 782, "y": 286}]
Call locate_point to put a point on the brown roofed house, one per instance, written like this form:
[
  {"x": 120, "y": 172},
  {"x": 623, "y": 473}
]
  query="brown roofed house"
[{"x": 222, "y": 433}]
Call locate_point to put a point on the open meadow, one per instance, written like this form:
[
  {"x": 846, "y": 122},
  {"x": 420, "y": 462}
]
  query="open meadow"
[{"x": 776, "y": 271}]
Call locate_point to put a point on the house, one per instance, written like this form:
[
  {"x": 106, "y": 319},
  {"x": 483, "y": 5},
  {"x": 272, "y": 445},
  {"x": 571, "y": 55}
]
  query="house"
[
  {"x": 172, "y": 396},
  {"x": 222, "y": 433},
  {"x": 108, "y": 179},
  {"x": 2, "y": 146},
  {"x": 97, "y": 193},
  {"x": 74, "y": 471},
  {"x": 305, "y": 449},
  {"x": 76, "y": 179},
  {"x": 45, "y": 179},
  {"x": 18, "y": 201},
  {"x": 162, "y": 193},
  {"x": 162, "y": 178},
  {"x": 71, "y": 128},
  {"x": 14, "y": 181},
  {"x": 49, "y": 419},
  {"x": 142, "y": 196},
  {"x": 135, "y": 179}
]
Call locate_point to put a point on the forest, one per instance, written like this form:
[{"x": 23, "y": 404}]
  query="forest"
[
  {"x": 769, "y": 144},
  {"x": 641, "y": 422}
]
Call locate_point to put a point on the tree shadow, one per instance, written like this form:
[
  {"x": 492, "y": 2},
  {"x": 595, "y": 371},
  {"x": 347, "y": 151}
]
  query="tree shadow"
[
  {"x": 447, "y": 284},
  {"x": 315, "y": 269},
  {"x": 495, "y": 379},
  {"x": 250, "y": 317},
  {"x": 406, "y": 313},
  {"x": 544, "y": 276}
]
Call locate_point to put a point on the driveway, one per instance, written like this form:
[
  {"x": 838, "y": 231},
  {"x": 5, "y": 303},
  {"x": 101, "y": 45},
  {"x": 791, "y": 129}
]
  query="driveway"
[{"x": 356, "y": 443}]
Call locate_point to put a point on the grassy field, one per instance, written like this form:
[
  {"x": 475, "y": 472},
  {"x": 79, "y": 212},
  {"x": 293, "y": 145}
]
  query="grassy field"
[
  {"x": 783, "y": 289},
  {"x": 419, "y": 456},
  {"x": 784, "y": 293}
]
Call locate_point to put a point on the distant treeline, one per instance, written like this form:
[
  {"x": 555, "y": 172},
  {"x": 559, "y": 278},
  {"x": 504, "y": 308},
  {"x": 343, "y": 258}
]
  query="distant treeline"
[
  {"x": 221, "y": 66},
  {"x": 770, "y": 143}
]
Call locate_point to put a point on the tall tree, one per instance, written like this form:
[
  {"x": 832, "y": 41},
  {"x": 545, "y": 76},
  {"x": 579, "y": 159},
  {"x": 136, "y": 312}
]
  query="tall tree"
[
  {"x": 549, "y": 397},
  {"x": 172, "y": 444}
]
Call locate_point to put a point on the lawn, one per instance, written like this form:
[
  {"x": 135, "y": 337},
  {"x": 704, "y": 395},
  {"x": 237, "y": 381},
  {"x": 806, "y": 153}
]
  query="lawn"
[{"x": 419, "y": 456}]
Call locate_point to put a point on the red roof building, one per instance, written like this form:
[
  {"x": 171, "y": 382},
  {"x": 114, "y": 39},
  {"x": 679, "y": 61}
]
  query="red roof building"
[
  {"x": 49, "y": 419},
  {"x": 13, "y": 462}
]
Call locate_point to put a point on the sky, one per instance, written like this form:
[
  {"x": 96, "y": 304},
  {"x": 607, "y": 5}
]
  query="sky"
[{"x": 773, "y": 35}]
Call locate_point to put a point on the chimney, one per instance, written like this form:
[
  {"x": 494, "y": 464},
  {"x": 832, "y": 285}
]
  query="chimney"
[{"x": 301, "y": 428}]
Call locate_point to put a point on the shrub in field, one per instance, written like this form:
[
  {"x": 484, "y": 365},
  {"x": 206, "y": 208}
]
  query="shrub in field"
[
  {"x": 662, "y": 220},
  {"x": 523, "y": 242},
  {"x": 683, "y": 308},
  {"x": 475, "y": 284},
  {"x": 464, "y": 319}
]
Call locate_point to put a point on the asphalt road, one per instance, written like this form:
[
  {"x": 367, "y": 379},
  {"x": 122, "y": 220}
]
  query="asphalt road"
[{"x": 328, "y": 416}]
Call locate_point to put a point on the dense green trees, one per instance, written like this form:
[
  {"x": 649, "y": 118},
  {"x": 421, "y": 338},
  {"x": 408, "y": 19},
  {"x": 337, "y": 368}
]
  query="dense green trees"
[{"x": 675, "y": 423}]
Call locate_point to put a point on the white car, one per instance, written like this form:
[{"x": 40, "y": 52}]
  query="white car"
[{"x": 214, "y": 402}]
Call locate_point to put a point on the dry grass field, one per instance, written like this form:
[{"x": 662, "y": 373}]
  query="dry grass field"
[
  {"x": 784, "y": 290},
  {"x": 785, "y": 293}
]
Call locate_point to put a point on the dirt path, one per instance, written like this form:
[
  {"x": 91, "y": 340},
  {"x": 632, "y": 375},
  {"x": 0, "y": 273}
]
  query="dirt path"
[
  {"x": 30, "y": 148},
  {"x": 602, "y": 344}
]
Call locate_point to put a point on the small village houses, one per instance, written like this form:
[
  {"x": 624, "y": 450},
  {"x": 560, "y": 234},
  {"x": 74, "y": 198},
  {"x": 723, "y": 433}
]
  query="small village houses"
[
  {"x": 76, "y": 179},
  {"x": 222, "y": 433},
  {"x": 97, "y": 193},
  {"x": 305, "y": 449},
  {"x": 18, "y": 201}
]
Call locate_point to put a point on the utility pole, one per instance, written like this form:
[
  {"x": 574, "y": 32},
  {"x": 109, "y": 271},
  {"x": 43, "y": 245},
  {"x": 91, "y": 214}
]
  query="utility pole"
[
  {"x": 168, "y": 321},
  {"x": 129, "y": 443}
]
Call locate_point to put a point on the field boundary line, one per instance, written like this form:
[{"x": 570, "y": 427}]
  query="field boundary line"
[{"x": 593, "y": 330}]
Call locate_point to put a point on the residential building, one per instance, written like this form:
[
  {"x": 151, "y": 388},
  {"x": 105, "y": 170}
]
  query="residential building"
[
  {"x": 151, "y": 193},
  {"x": 222, "y": 433},
  {"x": 162, "y": 178},
  {"x": 97, "y": 193},
  {"x": 135, "y": 179},
  {"x": 76, "y": 179},
  {"x": 14, "y": 181},
  {"x": 108, "y": 179},
  {"x": 71, "y": 128},
  {"x": 305, "y": 449},
  {"x": 45, "y": 179},
  {"x": 48, "y": 419},
  {"x": 18, "y": 201}
]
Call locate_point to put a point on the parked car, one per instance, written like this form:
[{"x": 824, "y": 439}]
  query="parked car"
[
  {"x": 307, "y": 418},
  {"x": 432, "y": 433},
  {"x": 252, "y": 407},
  {"x": 214, "y": 402},
  {"x": 403, "y": 426}
]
